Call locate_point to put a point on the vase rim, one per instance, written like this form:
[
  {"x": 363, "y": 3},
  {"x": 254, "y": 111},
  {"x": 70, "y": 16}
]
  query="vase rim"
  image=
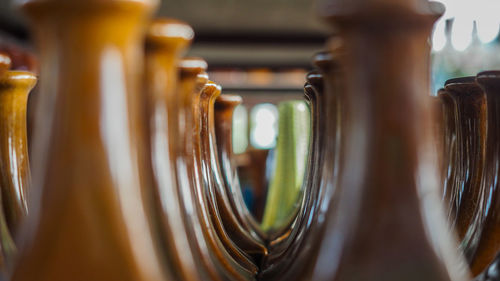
[
  {"x": 193, "y": 65},
  {"x": 18, "y": 78},
  {"x": 490, "y": 74},
  {"x": 461, "y": 80},
  {"x": 314, "y": 76},
  {"x": 167, "y": 33}
]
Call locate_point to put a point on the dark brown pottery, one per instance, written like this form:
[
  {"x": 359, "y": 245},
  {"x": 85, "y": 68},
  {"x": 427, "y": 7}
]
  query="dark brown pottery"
[
  {"x": 234, "y": 229},
  {"x": 230, "y": 260},
  {"x": 449, "y": 119},
  {"x": 470, "y": 130},
  {"x": 223, "y": 121},
  {"x": 388, "y": 223},
  {"x": 483, "y": 237},
  {"x": 293, "y": 254}
]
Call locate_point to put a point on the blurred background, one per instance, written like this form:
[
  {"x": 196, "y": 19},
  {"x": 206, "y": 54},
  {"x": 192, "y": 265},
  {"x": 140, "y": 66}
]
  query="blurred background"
[{"x": 262, "y": 50}]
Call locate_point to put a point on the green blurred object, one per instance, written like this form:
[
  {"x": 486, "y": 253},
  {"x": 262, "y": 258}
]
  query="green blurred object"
[{"x": 290, "y": 164}]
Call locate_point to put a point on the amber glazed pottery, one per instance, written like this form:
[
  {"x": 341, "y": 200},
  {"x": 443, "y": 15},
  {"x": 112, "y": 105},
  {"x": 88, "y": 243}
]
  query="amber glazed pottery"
[
  {"x": 483, "y": 236},
  {"x": 389, "y": 222},
  {"x": 14, "y": 164},
  {"x": 88, "y": 218}
]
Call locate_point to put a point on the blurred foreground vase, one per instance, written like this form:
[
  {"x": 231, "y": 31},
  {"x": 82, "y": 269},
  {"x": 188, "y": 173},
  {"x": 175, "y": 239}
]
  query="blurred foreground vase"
[
  {"x": 88, "y": 218},
  {"x": 15, "y": 87},
  {"x": 166, "y": 41},
  {"x": 389, "y": 222},
  {"x": 483, "y": 236}
]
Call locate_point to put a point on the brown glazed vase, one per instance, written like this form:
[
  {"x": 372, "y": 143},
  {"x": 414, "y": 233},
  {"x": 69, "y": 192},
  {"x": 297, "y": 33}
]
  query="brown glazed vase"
[
  {"x": 388, "y": 223},
  {"x": 299, "y": 256},
  {"x": 215, "y": 193},
  {"x": 14, "y": 163},
  {"x": 223, "y": 121},
  {"x": 7, "y": 247},
  {"x": 483, "y": 237},
  {"x": 89, "y": 218},
  {"x": 292, "y": 256},
  {"x": 231, "y": 263},
  {"x": 449, "y": 121},
  {"x": 470, "y": 103},
  {"x": 248, "y": 244},
  {"x": 438, "y": 125},
  {"x": 166, "y": 41},
  {"x": 192, "y": 80}
]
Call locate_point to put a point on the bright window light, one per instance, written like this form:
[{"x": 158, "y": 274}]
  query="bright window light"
[
  {"x": 461, "y": 33},
  {"x": 240, "y": 129},
  {"x": 264, "y": 126},
  {"x": 487, "y": 19},
  {"x": 487, "y": 30},
  {"x": 439, "y": 36}
]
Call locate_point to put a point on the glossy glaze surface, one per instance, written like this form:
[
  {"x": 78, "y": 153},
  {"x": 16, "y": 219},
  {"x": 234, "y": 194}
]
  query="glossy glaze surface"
[
  {"x": 166, "y": 41},
  {"x": 293, "y": 254},
  {"x": 223, "y": 121},
  {"x": 230, "y": 262},
  {"x": 89, "y": 219},
  {"x": 14, "y": 163},
  {"x": 449, "y": 119},
  {"x": 483, "y": 236},
  {"x": 192, "y": 80},
  {"x": 470, "y": 104},
  {"x": 389, "y": 219},
  {"x": 236, "y": 232}
]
